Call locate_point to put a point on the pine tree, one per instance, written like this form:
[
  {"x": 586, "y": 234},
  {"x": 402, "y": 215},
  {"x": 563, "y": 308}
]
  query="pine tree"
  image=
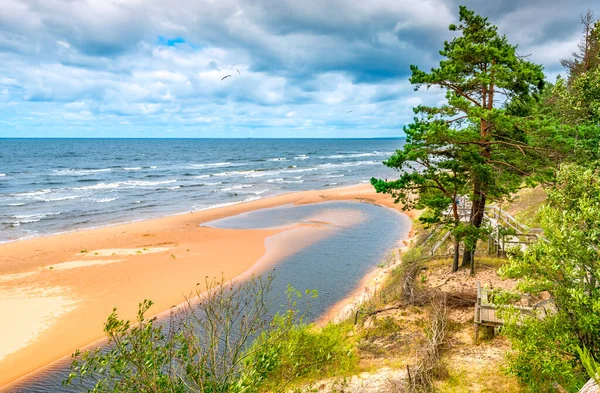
[{"x": 489, "y": 89}]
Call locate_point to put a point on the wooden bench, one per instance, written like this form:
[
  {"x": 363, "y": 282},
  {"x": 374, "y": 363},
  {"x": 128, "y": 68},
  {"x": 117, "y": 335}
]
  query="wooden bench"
[{"x": 485, "y": 312}]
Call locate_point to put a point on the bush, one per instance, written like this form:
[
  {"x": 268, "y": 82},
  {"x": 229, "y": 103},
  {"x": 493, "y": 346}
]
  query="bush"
[
  {"x": 567, "y": 267},
  {"x": 221, "y": 341}
]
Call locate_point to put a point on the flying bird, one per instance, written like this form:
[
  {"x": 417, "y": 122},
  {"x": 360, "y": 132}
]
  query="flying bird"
[
  {"x": 238, "y": 71},
  {"x": 225, "y": 77},
  {"x": 350, "y": 111}
]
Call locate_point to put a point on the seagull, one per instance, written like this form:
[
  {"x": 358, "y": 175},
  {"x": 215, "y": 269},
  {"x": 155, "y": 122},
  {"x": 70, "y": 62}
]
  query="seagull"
[
  {"x": 238, "y": 71},
  {"x": 225, "y": 77},
  {"x": 350, "y": 111}
]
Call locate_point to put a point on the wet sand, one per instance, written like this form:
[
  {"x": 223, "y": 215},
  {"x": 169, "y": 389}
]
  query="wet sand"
[{"x": 57, "y": 291}]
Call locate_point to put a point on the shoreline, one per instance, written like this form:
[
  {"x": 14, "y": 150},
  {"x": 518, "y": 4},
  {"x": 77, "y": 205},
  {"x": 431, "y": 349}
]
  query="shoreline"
[
  {"x": 139, "y": 253},
  {"x": 368, "y": 286}
]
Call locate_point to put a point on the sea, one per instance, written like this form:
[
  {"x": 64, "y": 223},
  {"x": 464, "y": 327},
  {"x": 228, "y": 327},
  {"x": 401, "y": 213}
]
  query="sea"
[{"x": 52, "y": 186}]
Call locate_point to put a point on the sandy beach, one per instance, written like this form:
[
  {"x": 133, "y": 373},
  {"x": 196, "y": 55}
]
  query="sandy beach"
[{"x": 56, "y": 291}]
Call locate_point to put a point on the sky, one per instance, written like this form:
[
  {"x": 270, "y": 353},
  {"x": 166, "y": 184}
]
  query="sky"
[{"x": 299, "y": 68}]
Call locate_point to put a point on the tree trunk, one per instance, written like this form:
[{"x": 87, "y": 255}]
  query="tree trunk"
[
  {"x": 477, "y": 213},
  {"x": 479, "y": 197},
  {"x": 456, "y": 254}
]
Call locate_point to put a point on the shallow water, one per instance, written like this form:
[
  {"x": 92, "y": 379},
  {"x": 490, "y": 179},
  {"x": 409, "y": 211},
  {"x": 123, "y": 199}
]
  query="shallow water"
[{"x": 333, "y": 265}]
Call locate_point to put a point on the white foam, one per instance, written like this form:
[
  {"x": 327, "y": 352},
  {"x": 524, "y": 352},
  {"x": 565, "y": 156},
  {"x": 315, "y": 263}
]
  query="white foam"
[
  {"x": 64, "y": 198},
  {"x": 275, "y": 180},
  {"x": 302, "y": 170},
  {"x": 233, "y": 173},
  {"x": 278, "y": 159},
  {"x": 349, "y": 164},
  {"x": 358, "y": 155},
  {"x": 15, "y": 204},
  {"x": 2, "y": 174},
  {"x": 136, "y": 168},
  {"x": 237, "y": 187},
  {"x": 29, "y": 218},
  {"x": 211, "y": 165},
  {"x": 129, "y": 184},
  {"x": 302, "y": 157},
  {"x": 106, "y": 200},
  {"x": 202, "y": 177},
  {"x": 263, "y": 173},
  {"x": 33, "y": 193},
  {"x": 79, "y": 172}
]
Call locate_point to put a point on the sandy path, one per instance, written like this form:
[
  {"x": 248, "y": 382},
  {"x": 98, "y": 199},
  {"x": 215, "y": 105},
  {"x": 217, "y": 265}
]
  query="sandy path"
[{"x": 56, "y": 291}]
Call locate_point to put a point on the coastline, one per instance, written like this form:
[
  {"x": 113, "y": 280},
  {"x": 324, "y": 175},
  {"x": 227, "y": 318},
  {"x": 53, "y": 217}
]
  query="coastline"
[
  {"x": 76, "y": 288},
  {"x": 368, "y": 286}
]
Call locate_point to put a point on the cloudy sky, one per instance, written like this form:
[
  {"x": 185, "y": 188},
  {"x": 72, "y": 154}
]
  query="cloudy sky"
[{"x": 307, "y": 68}]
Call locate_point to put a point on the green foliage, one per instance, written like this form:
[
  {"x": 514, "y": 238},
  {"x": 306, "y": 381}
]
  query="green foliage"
[
  {"x": 300, "y": 351},
  {"x": 589, "y": 363},
  {"x": 567, "y": 267},
  {"x": 138, "y": 361},
  {"x": 481, "y": 139},
  {"x": 221, "y": 341}
]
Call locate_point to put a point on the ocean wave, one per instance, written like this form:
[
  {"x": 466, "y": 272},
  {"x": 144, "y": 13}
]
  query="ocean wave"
[
  {"x": 275, "y": 180},
  {"x": 16, "y": 204},
  {"x": 260, "y": 192},
  {"x": 277, "y": 159},
  {"x": 30, "y": 194},
  {"x": 174, "y": 188},
  {"x": 212, "y": 165},
  {"x": 301, "y": 157},
  {"x": 358, "y": 155},
  {"x": 19, "y": 219},
  {"x": 263, "y": 173},
  {"x": 135, "y": 168},
  {"x": 106, "y": 200},
  {"x": 2, "y": 174},
  {"x": 129, "y": 184},
  {"x": 292, "y": 181},
  {"x": 332, "y": 176},
  {"x": 216, "y": 183},
  {"x": 63, "y": 198},
  {"x": 309, "y": 169},
  {"x": 237, "y": 187},
  {"x": 233, "y": 173},
  {"x": 79, "y": 172},
  {"x": 349, "y": 164},
  {"x": 202, "y": 177},
  {"x": 153, "y": 167}
]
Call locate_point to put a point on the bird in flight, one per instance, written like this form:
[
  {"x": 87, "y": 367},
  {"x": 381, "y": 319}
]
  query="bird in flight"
[
  {"x": 238, "y": 71},
  {"x": 350, "y": 111},
  {"x": 225, "y": 77}
]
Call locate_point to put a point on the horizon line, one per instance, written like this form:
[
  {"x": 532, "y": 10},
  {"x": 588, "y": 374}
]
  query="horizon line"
[{"x": 232, "y": 138}]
